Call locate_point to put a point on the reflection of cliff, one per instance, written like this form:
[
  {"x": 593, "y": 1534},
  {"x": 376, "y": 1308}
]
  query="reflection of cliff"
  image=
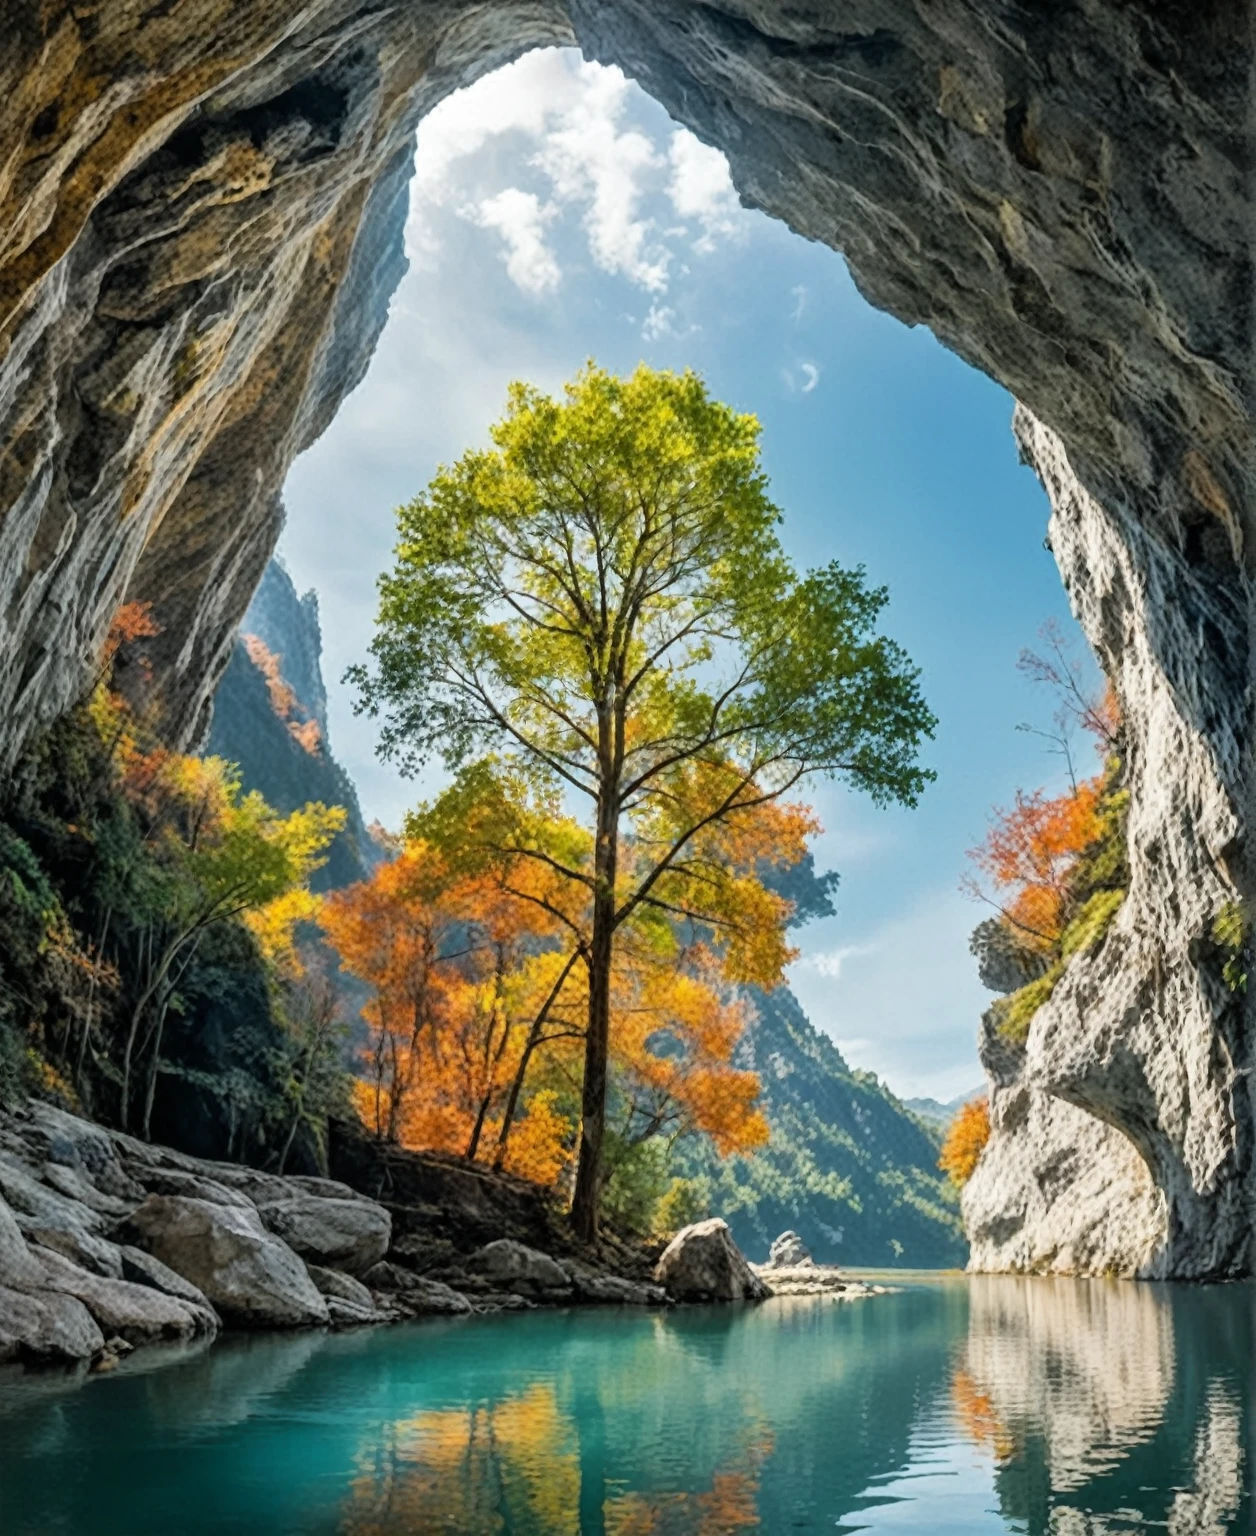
[
  {"x": 1088, "y": 1365},
  {"x": 1107, "y": 1407}
]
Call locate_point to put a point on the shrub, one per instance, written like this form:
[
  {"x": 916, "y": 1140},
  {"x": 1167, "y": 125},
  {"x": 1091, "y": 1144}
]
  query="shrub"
[{"x": 966, "y": 1139}]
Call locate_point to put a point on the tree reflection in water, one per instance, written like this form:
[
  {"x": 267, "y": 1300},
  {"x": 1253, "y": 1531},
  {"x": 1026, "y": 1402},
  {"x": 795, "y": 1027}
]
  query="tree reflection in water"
[{"x": 514, "y": 1466}]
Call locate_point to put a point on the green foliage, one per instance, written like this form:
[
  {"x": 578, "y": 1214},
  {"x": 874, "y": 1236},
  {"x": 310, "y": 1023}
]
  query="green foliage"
[
  {"x": 638, "y": 1179},
  {"x": 119, "y": 872},
  {"x": 846, "y": 1166},
  {"x": 1097, "y": 885},
  {"x": 628, "y": 527},
  {"x": 1230, "y": 931},
  {"x": 1014, "y": 1014},
  {"x": 1094, "y": 917}
]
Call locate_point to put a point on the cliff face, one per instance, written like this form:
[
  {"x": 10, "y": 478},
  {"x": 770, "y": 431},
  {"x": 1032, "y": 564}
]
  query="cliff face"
[
  {"x": 200, "y": 222},
  {"x": 263, "y": 722}
]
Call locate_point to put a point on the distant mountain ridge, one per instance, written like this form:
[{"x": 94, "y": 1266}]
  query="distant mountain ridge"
[
  {"x": 938, "y": 1114},
  {"x": 847, "y": 1166}
]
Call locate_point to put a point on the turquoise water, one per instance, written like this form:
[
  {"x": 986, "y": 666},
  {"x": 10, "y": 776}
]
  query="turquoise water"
[{"x": 957, "y": 1406}]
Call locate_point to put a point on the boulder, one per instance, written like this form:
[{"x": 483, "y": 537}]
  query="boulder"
[
  {"x": 345, "y": 1314},
  {"x": 137, "y": 1313},
  {"x": 332, "y": 1285},
  {"x": 252, "y": 1278},
  {"x": 612, "y": 1290},
  {"x": 81, "y": 1248},
  {"x": 17, "y": 1267},
  {"x": 348, "y": 1234},
  {"x": 703, "y": 1263},
  {"x": 195, "y": 1186},
  {"x": 512, "y": 1266},
  {"x": 143, "y": 1269},
  {"x": 416, "y": 1294},
  {"x": 46, "y": 1328},
  {"x": 788, "y": 1252}
]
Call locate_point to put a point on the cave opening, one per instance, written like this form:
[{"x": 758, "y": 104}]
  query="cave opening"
[{"x": 556, "y": 213}]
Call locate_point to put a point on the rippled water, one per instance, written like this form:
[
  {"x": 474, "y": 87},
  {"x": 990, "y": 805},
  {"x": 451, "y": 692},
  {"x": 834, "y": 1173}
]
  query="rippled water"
[{"x": 956, "y": 1406}]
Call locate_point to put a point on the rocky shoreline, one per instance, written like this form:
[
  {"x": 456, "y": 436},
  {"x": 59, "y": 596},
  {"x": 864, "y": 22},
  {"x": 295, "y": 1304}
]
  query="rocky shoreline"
[{"x": 108, "y": 1244}]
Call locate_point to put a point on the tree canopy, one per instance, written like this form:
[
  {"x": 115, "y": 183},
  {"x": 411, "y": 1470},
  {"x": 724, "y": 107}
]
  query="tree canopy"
[{"x": 597, "y": 611}]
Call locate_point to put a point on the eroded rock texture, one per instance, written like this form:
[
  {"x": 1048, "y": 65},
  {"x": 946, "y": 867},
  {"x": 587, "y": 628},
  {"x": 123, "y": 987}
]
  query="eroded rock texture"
[{"x": 201, "y": 207}]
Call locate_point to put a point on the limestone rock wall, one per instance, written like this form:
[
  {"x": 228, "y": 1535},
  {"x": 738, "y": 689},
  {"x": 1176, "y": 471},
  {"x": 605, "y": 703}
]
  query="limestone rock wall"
[{"x": 200, "y": 215}]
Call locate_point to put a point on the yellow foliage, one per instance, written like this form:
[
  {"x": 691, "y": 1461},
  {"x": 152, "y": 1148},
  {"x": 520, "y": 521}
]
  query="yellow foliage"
[{"x": 965, "y": 1141}]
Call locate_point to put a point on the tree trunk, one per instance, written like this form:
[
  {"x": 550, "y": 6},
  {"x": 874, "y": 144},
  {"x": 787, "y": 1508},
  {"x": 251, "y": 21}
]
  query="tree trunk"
[
  {"x": 588, "y": 1191},
  {"x": 530, "y": 1045}
]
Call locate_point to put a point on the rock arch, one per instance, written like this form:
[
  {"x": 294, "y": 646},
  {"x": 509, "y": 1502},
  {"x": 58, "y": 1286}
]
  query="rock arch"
[{"x": 200, "y": 217}]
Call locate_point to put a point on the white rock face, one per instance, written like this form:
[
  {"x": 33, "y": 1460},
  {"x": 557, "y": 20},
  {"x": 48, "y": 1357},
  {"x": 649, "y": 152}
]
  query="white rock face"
[{"x": 1122, "y": 1130}]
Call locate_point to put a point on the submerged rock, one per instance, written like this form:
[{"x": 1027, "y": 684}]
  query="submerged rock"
[
  {"x": 703, "y": 1263},
  {"x": 251, "y": 1277},
  {"x": 789, "y": 1251}
]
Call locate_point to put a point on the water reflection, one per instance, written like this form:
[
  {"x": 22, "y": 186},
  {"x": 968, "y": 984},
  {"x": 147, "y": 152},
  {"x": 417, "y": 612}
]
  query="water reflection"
[
  {"x": 1042, "y": 1407},
  {"x": 1109, "y": 1406}
]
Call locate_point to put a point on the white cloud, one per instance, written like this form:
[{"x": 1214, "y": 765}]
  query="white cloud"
[
  {"x": 520, "y": 218},
  {"x": 829, "y": 962},
  {"x": 522, "y": 97},
  {"x": 590, "y": 160},
  {"x": 659, "y": 321},
  {"x": 615, "y": 178},
  {"x": 904, "y": 999},
  {"x": 701, "y": 188},
  {"x": 811, "y": 377},
  {"x": 800, "y": 302}
]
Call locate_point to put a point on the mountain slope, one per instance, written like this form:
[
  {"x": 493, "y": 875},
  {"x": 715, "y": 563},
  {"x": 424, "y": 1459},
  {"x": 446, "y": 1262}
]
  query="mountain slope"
[
  {"x": 847, "y": 1166},
  {"x": 270, "y": 718}
]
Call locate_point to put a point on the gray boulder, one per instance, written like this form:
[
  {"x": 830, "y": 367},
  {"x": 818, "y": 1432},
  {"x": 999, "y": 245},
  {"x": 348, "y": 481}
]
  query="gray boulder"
[
  {"x": 137, "y": 1313},
  {"x": 17, "y": 1267},
  {"x": 348, "y": 1234},
  {"x": 46, "y": 1328},
  {"x": 252, "y": 1278},
  {"x": 416, "y": 1294},
  {"x": 195, "y": 1186},
  {"x": 143, "y": 1269},
  {"x": 703, "y": 1263},
  {"x": 512, "y": 1266},
  {"x": 333, "y": 1285},
  {"x": 788, "y": 1252},
  {"x": 612, "y": 1290}
]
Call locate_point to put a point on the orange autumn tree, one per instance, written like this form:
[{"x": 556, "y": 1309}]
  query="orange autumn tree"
[
  {"x": 465, "y": 980},
  {"x": 966, "y": 1138},
  {"x": 1054, "y": 866}
]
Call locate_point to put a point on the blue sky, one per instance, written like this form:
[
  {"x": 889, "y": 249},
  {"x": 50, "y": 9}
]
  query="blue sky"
[{"x": 558, "y": 214}]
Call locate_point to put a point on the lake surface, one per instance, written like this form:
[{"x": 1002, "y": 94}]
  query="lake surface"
[{"x": 954, "y": 1406}]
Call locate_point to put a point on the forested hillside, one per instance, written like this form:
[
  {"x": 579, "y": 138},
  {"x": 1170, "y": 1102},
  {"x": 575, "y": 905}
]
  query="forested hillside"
[
  {"x": 847, "y": 1166},
  {"x": 270, "y": 718}
]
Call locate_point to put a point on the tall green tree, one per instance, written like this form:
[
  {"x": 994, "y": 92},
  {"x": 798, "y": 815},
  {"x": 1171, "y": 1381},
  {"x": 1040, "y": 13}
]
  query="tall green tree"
[{"x": 600, "y": 605}]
